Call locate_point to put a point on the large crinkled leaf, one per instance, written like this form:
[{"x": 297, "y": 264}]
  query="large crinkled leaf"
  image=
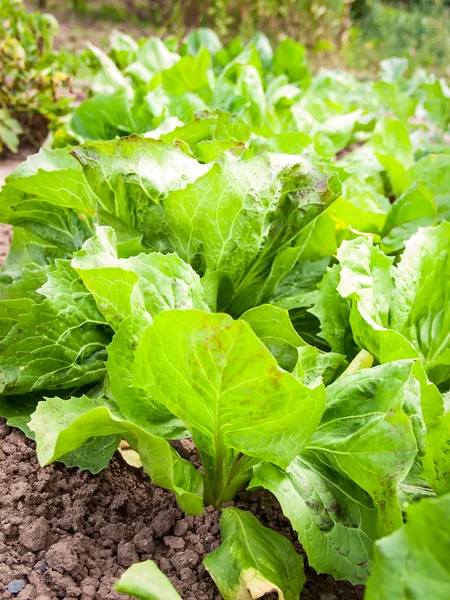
[
  {"x": 253, "y": 560},
  {"x": 336, "y": 520},
  {"x": 244, "y": 218},
  {"x": 273, "y": 327},
  {"x": 60, "y": 343},
  {"x": 133, "y": 175},
  {"x": 63, "y": 426},
  {"x": 412, "y": 563},
  {"x": 219, "y": 378},
  {"x": 144, "y": 580},
  {"x": 49, "y": 195},
  {"x": 365, "y": 436}
]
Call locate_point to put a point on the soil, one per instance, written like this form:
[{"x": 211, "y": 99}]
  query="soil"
[{"x": 65, "y": 533}]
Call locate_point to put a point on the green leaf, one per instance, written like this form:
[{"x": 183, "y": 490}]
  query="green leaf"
[
  {"x": 254, "y": 560},
  {"x": 419, "y": 310},
  {"x": 290, "y": 59},
  {"x": 244, "y": 218},
  {"x": 313, "y": 364},
  {"x": 401, "y": 312},
  {"x": 365, "y": 435},
  {"x": 59, "y": 343},
  {"x": 434, "y": 171},
  {"x": 147, "y": 282},
  {"x": 63, "y": 426},
  {"x": 273, "y": 327},
  {"x": 109, "y": 78},
  {"x": 366, "y": 278},
  {"x": 203, "y": 37},
  {"x": 412, "y": 563},
  {"x": 94, "y": 455},
  {"x": 333, "y": 312},
  {"x": 335, "y": 519},
  {"x": 17, "y": 410},
  {"x": 9, "y": 138},
  {"x": 436, "y": 462},
  {"x": 132, "y": 175},
  {"x": 145, "y": 581},
  {"x": 190, "y": 74},
  {"x": 152, "y": 58},
  {"x": 29, "y": 252},
  {"x": 214, "y": 374},
  {"x": 49, "y": 195},
  {"x": 394, "y": 151},
  {"x": 103, "y": 117},
  {"x": 123, "y": 48},
  {"x": 300, "y": 287},
  {"x": 414, "y": 209}
]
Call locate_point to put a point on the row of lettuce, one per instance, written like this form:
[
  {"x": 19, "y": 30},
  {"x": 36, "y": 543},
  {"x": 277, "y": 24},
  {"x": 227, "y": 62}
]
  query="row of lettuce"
[{"x": 265, "y": 270}]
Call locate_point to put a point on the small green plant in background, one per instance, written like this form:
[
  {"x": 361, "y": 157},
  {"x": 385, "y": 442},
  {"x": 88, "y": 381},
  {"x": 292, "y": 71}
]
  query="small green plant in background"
[{"x": 32, "y": 76}]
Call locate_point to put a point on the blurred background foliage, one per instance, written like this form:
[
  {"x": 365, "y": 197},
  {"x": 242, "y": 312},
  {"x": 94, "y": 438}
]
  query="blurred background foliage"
[{"x": 355, "y": 34}]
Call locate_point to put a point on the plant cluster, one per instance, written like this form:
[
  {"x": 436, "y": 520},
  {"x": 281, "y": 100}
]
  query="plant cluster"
[
  {"x": 266, "y": 271},
  {"x": 32, "y": 76}
]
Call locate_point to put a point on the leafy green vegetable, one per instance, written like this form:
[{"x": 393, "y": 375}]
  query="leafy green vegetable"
[
  {"x": 254, "y": 560},
  {"x": 399, "y": 312},
  {"x": 340, "y": 492},
  {"x": 412, "y": 563}
]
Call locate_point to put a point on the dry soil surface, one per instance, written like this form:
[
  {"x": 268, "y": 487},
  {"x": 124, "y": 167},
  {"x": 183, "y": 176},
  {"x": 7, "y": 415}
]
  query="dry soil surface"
[{"x": 65, "y": 533}]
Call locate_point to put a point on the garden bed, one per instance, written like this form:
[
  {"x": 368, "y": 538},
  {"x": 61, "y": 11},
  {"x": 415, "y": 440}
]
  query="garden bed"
[{"x": 68, "y": 534}]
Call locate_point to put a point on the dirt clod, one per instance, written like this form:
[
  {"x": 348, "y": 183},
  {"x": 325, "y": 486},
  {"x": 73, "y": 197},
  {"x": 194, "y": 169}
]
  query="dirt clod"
[{"x": 34, "y": 536}]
